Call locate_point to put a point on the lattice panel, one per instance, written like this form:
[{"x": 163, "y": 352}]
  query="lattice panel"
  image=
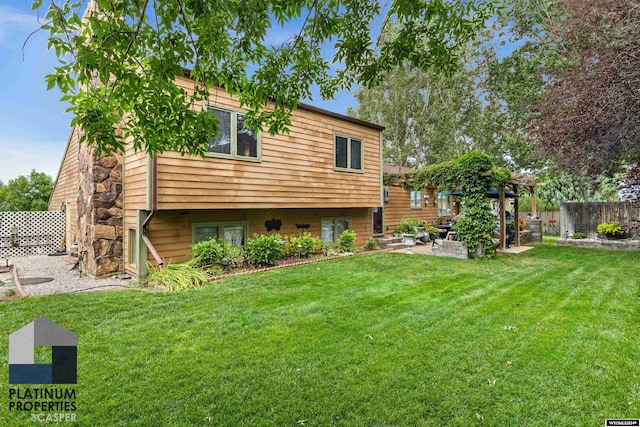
[{"x": 39, "y": 233}]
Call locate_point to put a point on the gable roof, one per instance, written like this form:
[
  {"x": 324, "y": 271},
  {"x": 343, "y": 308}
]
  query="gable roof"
[
  {"x": 389, "y": 168},
  {"x": 302, "y": 106}
]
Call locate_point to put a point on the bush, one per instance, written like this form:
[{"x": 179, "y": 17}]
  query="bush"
[
  {"x": 177, "y": 277},
  {"x": 611, "y": 229},
  {"x": 345, "y": 241},
  {"x": 308, "y": 245},
  {"x": 371, "y": 245},
  {"x": 216, "y": 253},
  {"x": 264, "y": 250},
  {"x": 235, "y": 256},
  {"x": 578, "y": 235},
  {"x": 208, "y": 252}
]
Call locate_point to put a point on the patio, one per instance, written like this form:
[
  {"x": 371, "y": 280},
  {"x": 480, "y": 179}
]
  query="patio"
[{"x": 427, "y": 249}]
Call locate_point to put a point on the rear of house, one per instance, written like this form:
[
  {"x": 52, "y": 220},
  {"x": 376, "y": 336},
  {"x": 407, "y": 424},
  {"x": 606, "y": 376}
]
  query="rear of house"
[
  {"x": 425, "y": 204},
  {"x": 323, "y": 177}
]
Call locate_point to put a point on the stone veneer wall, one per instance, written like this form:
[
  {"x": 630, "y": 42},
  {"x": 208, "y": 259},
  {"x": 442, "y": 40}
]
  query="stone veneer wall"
[
  {"x": 451, "y": 249},
  {"x": 100, "y": 214},
  {"x": 535, "y": 225}
]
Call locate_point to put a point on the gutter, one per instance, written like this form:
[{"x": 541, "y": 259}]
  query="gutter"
[{"x": 154, "y": 208}]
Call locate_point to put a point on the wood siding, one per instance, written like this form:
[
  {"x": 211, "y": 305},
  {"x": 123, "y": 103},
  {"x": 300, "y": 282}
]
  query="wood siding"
[
  {"x": 170, "y": 231},
  {"x": 66, "y": 187},
  {"x": 135, "y": 195},
  {"x": 295, "y": 170},
  {"x": 399, "y": 206}
]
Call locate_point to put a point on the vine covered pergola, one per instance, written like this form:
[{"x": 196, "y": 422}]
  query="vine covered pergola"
[{"x": 474, "y": 174}]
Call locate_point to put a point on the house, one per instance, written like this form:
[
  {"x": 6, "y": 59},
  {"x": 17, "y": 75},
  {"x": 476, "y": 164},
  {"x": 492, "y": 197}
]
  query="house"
[
  {"x": 425, "y": 204},
  {"x": 123, "y": 210}
]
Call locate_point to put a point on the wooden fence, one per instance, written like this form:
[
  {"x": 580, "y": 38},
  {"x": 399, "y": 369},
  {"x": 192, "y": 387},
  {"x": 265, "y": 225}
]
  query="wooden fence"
[
  {"x": 550, "y": 222},
  {"x": 584, "y": 217}
]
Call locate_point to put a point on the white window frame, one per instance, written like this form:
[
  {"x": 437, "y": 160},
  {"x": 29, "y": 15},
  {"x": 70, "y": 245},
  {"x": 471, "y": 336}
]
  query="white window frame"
[
  {"x": 334, "y": 219},
  {"x": 445, "y": 207},
  {"x": 220, "y": 225},
  {"x": 415, "y": 201},
  {"x": 335, "y": 153},
  {"x": 234, "y": 136}
]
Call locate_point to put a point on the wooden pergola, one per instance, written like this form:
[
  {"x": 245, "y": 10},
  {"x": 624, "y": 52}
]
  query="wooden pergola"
[{"x": 518, "y": 183}]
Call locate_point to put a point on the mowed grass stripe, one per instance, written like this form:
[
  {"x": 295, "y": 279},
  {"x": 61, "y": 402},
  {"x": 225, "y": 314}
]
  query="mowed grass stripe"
[{"x": 545, "y": 337}]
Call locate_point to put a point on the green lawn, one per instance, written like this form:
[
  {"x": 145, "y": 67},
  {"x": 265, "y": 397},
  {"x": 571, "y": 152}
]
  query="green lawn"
[{"x": 549, "y": 337}]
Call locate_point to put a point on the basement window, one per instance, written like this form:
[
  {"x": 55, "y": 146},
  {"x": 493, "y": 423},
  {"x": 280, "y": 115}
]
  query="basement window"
[
  {"x": 233, "y": 232},
  {"x": 332, "y": 228}
]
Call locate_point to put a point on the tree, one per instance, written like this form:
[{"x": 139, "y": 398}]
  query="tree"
[
  {"x": 589, "y": 120},
  {"x": 119, "y": 61},
  {"x": 430, "y": 117},
  {"x": 27, "y": 193},
  {"x": 425, "y": 114}
]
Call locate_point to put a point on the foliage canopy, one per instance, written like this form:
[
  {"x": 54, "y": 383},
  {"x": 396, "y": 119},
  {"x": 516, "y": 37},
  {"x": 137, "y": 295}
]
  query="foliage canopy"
[{"x": 119, "y": 61}]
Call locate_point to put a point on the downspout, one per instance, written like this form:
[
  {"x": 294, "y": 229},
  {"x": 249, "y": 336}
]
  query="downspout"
[{"x": 154, "y": 207}]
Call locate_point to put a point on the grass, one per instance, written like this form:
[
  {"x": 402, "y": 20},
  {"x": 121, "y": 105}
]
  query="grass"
[{"x": 548, "y": 337}]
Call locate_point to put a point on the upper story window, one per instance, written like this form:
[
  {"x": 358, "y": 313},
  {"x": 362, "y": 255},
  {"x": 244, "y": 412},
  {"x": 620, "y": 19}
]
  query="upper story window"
[
  {"x": 444, "y": 204},
  {"x": 416, "y": 199},
  {"x": 234, "y": 139},
  {"x": 348, "y": 153}
]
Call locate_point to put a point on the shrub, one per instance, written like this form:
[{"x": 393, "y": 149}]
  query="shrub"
[
  {"x": 216, "y": 253},
  {"x": 177, "y": 277},
  {"x": 208, "y": 252},
  {"x": 611, "y": 229},
  {"x": 235, "y": 256},
  {"x": 264, "y": 250},
  {"x": 345, "y": 241},
  {"x": 371, "y": 244},
  {"x": 578, "y": 235},
  {"x": 308, "y": 245}
]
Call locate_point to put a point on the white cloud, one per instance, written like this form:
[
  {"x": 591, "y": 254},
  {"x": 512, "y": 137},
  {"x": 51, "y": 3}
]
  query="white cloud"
[
  {"x": 14, "y": 24},
  {"x": 18, "y": 157}
]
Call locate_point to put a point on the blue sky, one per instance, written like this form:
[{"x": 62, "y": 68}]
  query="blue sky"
[{"x": 34, "y": 128}]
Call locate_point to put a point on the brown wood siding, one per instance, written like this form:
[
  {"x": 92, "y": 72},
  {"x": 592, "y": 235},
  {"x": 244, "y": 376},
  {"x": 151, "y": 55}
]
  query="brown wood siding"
[
  {"x": 170, "y": 231},
  {"x": 399, "y": 206},
  {"x": 66, "y": 186},
  {"x": 296, "y": 170},
  {"x": 135, "y": 195}
]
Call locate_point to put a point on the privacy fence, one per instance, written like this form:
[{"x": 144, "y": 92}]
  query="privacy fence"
[
  {"x": 550, "y": 221},
  {"x": 30, "y": 233},
  {"x": 584, "y": 217}
]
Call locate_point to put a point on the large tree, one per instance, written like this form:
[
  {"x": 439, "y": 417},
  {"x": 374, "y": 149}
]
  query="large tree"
[
  {"x": 430, "y": 117},
  {"x": 26, "y": 193},
  {"x": 589, "y": 121},
  {"x": 118, "y": 63}
]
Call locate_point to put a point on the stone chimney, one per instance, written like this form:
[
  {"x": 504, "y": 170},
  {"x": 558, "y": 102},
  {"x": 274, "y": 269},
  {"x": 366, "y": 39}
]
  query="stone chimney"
[{"x": 100, "y": 213}]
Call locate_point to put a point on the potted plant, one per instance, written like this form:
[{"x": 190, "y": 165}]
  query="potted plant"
[
  {"x": 407, "y": 229},
  {"x": 433, "y": 232},
  {"x": 611, "y": 230}
]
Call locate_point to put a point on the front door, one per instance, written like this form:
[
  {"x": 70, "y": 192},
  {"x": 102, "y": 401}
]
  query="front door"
[{"x": 377, "y": 221}]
